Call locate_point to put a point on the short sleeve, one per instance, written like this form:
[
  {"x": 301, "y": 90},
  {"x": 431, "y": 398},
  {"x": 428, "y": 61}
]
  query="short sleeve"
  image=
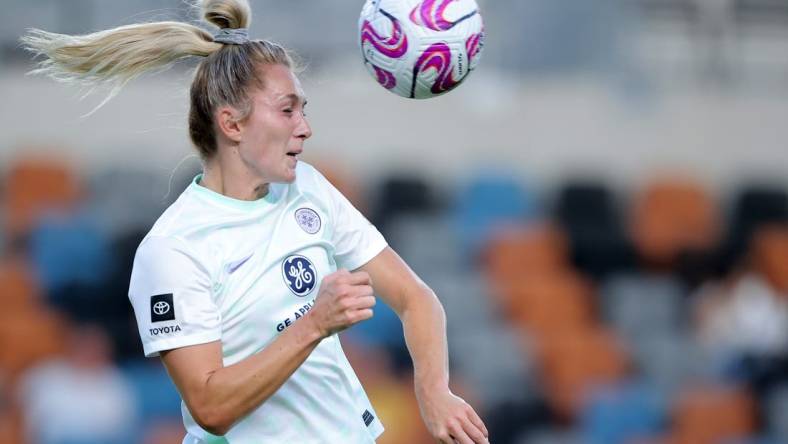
[
  {"x": 356, "y": 241},
  {"x": 170, "y": 291}
]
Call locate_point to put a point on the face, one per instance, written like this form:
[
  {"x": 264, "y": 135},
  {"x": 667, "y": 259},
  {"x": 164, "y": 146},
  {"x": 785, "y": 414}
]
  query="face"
[{"x": 273, "y": 135}]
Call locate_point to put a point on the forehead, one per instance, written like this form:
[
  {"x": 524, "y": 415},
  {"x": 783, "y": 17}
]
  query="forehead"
[{"x": 280, "y": 84}]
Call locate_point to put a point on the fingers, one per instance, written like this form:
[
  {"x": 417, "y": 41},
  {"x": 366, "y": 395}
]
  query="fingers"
[
  {"x": 468, "y": 430},
  {"x": 363, "y": 302},
  {"x": 360, "y": 291},
  {"x": 362, "y": 315},
  {"x": 458, "y": 433},
  {"x": 344, "y": 299},
  {"x": 445, "y": 438},
  {"x": 358, "y": 278},
  {"x": 474, "y": 432},
  {"x": 476, "y": 421}
]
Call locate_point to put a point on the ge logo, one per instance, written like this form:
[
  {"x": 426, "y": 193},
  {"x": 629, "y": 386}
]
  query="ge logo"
[
  {"x": 161, "y": 307},
  {"x": 299, "y": 274}
]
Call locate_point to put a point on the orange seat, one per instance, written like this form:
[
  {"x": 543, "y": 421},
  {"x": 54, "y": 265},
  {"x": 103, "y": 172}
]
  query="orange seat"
[
  {"x": 396, "y": 403},
  {"x": 671, "y": 216},
  {"x": 28, "y": 337},
  {"x": 514, "y": 252},
  {"x": 34, "y": 186},
  {"x": 11, "y": 427},
  {"x": 546, "y": 303},
  {"x": 572, "y": 362},
  {"x": 770, "y": 254},
  {"x": 165, "y": 431},
  {"x": 20, "y": 292},
  {"x": 710, "y": 415}
]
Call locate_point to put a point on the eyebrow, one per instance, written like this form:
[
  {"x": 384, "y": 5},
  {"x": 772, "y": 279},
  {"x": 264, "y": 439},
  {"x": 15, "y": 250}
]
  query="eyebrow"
[{"x": 295, "y": 98}]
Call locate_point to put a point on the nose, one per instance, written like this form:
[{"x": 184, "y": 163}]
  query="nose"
[{"x": 304, "y": 131}]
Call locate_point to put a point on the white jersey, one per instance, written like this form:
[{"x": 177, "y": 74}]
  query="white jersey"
[{"x": 214, "y": 268}]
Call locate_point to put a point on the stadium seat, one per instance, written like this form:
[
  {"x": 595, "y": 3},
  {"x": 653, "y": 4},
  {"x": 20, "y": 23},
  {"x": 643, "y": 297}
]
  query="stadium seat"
[
  {"x": 34, "y": 186},
  {"x": 396, "y": 404},
  {"x": 776, "y": 411},
  {"x": 344, "y": 183},
  {"x": 510, "y": 379},
  {"x": 4, "y": 241},
  {"x": 69, "y": 249},
  {"x": 709, "y": 415},
  {"x": 770, "y": 254},
  {"x": 11, "y": 425},
  {"x": 548, "y": 303},
  {"x": 752, "y": 207},
  {"x": 619, "y": 413},
  {"x": 514, "y": 252},
  {"x": 466, "y": 299},
  {"x": 671, "y": 217},
  {"x": 552, "y": 436},
  {"x": 167, "y": 431},
  {"x": 426, "y": 242},
  {"x": 573, "y": 362},
  {"x": 399, "y": 195},
  {"x": 669, "y": 360},
  {"x": 20, "y": 290},
  {"x": 27, "y": 338},
  {"x": 125, "y": 200},
  {"x": 588, "y": 213},
  {"x": 384, "y": 329},
  {"x": 640, "y": 304},
  {"x": 489, "y": 202},
  {"x": 157, "y": 397}
]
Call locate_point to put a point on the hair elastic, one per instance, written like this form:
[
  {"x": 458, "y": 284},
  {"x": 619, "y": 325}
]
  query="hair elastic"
[{"x": 232, "y": 36}]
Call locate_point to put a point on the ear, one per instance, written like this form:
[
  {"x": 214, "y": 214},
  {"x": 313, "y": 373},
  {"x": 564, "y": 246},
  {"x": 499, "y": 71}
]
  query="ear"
[{"x": 227, "y": 119}]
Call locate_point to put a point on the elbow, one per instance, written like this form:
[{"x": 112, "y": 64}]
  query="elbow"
[
  {"x": 421, "y": 300},
  {"x": 212, "y": 420}
]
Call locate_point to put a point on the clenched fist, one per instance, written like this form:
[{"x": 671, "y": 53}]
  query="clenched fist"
[{"x": 345, "y": 299}]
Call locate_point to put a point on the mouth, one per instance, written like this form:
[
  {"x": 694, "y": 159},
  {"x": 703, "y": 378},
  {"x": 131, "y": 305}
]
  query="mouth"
[{"x": 294, "y": 154}]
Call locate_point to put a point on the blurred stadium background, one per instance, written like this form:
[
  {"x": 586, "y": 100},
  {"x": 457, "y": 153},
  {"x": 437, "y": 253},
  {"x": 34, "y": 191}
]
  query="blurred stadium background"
[{"x": 602, "y": 207}]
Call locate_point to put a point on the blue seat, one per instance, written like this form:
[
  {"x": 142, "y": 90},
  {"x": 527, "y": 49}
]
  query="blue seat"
[
  {"x": 384, "y": 329},
  {"x": 489, "y": 201},
  {"x": 69, "y": 250},
  {"x": 157, "y": 396},
  {"x": 615, "y": 414}
]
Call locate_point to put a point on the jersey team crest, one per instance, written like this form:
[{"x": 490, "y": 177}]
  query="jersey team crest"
[
  {"x": 299, "y": 274},
  {"x": 308, "y": 220}
]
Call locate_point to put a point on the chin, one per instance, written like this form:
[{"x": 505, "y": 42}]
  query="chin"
[{"x": 288, "y": 178}]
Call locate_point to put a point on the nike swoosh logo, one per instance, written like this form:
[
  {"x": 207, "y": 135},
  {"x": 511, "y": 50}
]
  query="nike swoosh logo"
[{"x": 233, "y": 266}]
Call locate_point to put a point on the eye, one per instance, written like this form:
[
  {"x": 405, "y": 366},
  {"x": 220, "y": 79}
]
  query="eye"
[{"x": 288, "y": 110}]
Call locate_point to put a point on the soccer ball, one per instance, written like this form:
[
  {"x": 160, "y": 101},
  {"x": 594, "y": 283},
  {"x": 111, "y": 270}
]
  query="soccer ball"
[{"x": 420, "y": 48}]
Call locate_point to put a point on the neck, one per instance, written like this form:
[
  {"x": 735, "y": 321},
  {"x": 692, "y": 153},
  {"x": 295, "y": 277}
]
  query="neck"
[{"x": 232, "y": 178}]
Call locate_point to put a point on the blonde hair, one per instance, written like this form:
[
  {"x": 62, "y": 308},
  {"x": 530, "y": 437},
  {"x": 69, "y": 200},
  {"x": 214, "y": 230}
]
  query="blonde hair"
[{"x": 116, "y": 56}]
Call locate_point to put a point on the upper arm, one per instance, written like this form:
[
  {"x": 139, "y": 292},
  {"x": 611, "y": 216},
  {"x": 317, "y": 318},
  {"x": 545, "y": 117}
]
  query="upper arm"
[
  {"x": 393, "y": 280},
  {"x": 190, "y": 368},
  {"x": 172, "y": 297}
]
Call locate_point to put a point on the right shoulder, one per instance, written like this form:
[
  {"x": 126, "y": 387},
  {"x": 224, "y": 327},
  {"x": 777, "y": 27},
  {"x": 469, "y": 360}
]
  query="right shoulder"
[{"x": 159, "y": 254}]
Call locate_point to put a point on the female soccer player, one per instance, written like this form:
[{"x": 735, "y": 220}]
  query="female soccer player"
[{"x": 242, "y": 284}]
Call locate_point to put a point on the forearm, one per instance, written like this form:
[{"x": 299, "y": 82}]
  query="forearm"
[
  {"x": 424, "y": 326},
  {"x": 232, "y": 392}
]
